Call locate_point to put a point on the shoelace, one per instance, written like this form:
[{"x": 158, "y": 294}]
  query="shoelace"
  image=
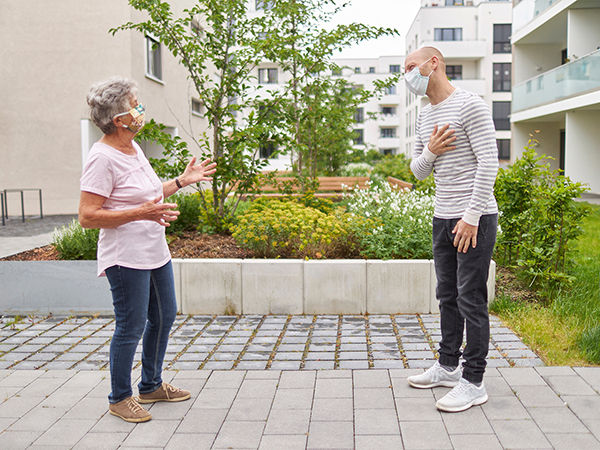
[
  {"x": 173, "y": 389},
  {"x": 134, "y": 406},
  {"x": 459, "y": 389}
]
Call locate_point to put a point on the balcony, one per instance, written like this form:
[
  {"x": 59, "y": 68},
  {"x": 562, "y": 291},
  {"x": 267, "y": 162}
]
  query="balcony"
[
  {"x": 476, "y": 86},
  {"x": 393, "y": 142},
  {"x": 569, "y": 80},
  {"x": 459, "y": 49},
  {"x": 388, "y": 120},
  {"x": 527, "y": 10}
]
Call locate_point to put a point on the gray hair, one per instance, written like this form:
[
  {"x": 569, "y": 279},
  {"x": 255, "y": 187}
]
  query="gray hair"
[{"x": 108, "y": 98}]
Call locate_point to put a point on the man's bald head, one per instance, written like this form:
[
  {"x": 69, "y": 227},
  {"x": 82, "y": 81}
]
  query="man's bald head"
[{"x": 421, "y": 55}]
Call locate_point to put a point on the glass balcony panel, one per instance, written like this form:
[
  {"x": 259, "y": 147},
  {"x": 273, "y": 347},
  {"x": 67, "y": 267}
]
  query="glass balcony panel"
[{"x": 568, "y": 80}]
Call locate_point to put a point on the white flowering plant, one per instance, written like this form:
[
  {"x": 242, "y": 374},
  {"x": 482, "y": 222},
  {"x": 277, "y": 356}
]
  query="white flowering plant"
[{"x": 400, "y": 221}]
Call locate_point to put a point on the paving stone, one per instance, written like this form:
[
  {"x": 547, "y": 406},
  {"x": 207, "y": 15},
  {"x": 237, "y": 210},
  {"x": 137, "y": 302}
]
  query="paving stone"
[
  {"x": 585, "y": 407},
  {"x": 155, "y": 436},
  {"x": 250, "y": 408},
  {"x": 288, "y": 421},
  {"x": 17, "y": 439},
  {"x": 373, "y": 398},
  {"x": 200, "y": 420},
  {"x": 305, "y": 379},
  {"x": 256, "y": 356},
  {"x": 371, "y": 378},
  {"x": 591, "y": 375},
  {"x": 285, "y": 365},
  {"x": 496, "y": 386},
  {"x": 402, "y": 389},
  {"x": 332, "y": 409},
  {"x": 19, "y": 406},
  {"x": 65, "y": 432},
  {"x": 38, "y": 419},
  {"x": 257, "y": 389},
  {"x": 287, "y": 442},
  {"x": 504, "y": 408},
  {"x": 376, "y": 421},
  {"x": 549, "y": 371},
  {"x": 557, "y": 420},
  {"x": 251, "y": 365},
  {"x": 522, "y": 377},
  {"x": 494, "y": 363},
  {"x": 475, "y": 442},
  {"x": 334, "y": 374},
  {"x": 333, "y": 388},
  {"x": 338, "y": 435},
  {"x": 354, "y": 364},
  {"x": 519, "y": 434},
  {"x": 321, "y": 347},
  {"x": 239, "y": 435},
  {"x": 218, "y": 365},
  {"x": 470, "y": 422},
  {"x": 263, "y": 375},
  {"x": 293, "y": 399},
  {"x": 100, "y": 441},
  {"x": 291, "y": 348},
  {"x": 593, "y": 425},
  {"x": 319, "y": 365},
  {"x": 288, "y": 356},
  {"x": 181, "y": 440},
  {"x": 388, "y": 364},
  {"x": 570, "y": 385},
  {"x": 532, "y": 396},
  {"x": 385, "y": 442},
  {"x": 416, "y": 409},
  {"x": 215, "y": 398},
  {"x": 322, "y": 356},
  {"x": 425, "y": 435},
  {"x": 570, "y": 441}
]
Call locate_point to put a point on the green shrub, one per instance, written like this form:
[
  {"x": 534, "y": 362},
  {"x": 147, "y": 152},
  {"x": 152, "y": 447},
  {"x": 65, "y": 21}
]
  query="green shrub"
[
  {"x": 398, "y": 166},
  {"x": 399, "y": 224},
  {"x": 539, "y": 218},
  {"x": 74, "y": 242},
  {"x": 190, "y": 209},
  {"x": 275, "y": 228},
  {"x": 356, "y": 170}
]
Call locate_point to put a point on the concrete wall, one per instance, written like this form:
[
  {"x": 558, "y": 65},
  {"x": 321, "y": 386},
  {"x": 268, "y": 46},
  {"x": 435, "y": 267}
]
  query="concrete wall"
[
  {"x": 548, "y": 138},
  {"x": 582, "y": 157},
  {"x": 583, "y": 31},
  {"x": 52, "y": 52}
]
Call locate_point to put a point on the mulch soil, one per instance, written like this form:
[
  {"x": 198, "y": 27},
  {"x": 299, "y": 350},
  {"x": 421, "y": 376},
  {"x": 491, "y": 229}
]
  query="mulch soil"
[{"x": 186, "y": 245}]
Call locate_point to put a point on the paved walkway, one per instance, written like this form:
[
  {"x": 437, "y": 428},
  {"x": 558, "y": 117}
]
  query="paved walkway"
[
  {"x": 544, "y": 407},
  {"x": 16, "y": 236},
  {"x": 253, "y": 342}
]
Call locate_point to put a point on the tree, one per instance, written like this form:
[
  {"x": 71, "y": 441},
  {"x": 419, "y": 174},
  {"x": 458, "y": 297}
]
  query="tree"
[{"x": 217, "y": 42}]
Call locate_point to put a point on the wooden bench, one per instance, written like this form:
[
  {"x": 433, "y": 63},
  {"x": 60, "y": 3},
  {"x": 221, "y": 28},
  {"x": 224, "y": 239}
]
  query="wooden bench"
[{"x": 329, "y": 187}]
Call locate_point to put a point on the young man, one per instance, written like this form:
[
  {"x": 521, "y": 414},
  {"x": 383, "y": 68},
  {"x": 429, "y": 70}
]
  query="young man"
[{"x": 456, "y": 140}]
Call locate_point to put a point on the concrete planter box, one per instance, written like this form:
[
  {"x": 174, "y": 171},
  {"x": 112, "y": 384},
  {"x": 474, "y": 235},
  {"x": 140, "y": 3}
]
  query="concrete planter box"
[{"x": 235, "y": 286}]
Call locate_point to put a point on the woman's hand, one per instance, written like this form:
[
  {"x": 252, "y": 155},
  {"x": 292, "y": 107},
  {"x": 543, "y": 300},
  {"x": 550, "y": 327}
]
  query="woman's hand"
[
  {"x": 161, "y": 213},
  {"x": 195, "y": 174}
]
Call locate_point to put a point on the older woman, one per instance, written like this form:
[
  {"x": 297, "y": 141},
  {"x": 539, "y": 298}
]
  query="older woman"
[{"x": 121, "y": 195}]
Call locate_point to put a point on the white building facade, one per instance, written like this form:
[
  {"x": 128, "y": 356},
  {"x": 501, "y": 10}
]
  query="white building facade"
[
  {"x": 474, "y": 37},
  {"x": 556, "y": 47},
  {"x": 53, "y": 53}
]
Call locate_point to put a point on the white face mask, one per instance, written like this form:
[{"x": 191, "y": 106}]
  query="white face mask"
[{"x": 416, "y": 82}]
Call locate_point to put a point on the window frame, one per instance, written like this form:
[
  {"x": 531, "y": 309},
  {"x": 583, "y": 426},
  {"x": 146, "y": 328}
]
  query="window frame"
[
  {"x": 268, "y": 71},
  {"x": 194, "y": 112},
  {"x": 383, "y": 130},
  {"x": 359, "y": 138},
  {"x": 455, "y": 72},
  {"x": 501, "y": 121},
  {"x": 502, "y": 46},
  {"x": 148, "y": 38},
  {"x": 395, "y": 68},
  {"x": 499, "y": 84},
  {"x": 503, "y": 153},
  {"x": 439, "y": 34}
]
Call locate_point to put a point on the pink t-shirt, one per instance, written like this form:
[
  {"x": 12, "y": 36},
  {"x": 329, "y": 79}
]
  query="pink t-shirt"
[{"x": 127, "y": 181}]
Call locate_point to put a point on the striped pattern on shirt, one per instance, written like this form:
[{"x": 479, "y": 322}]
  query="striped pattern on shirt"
[{"x": 464, "y": 177}]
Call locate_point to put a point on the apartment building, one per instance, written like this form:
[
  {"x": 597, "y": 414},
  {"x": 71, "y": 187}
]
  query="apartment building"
[
  {"x": 52, "y": 53},
  {"x": 474, "y": 37},
  {"x": 556, "y": 92}
]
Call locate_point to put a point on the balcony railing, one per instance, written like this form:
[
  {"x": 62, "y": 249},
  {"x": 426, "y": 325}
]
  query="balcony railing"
[
  {"x": 571, "y": 79},
  {"x": 527, "y": 10}
]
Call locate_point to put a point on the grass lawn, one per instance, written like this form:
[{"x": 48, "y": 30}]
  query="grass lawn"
[{"x": 564, "y": 329}]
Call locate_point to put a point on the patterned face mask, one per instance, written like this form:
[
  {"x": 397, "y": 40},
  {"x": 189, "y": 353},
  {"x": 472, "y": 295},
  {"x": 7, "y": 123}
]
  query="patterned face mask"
[{"x": 138, "y": 115}]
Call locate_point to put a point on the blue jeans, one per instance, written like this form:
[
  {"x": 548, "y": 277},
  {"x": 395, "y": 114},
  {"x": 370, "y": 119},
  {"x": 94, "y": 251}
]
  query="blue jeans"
[
  {"x": 462, "y": 293},
  {"x": 144, "y": 302}
]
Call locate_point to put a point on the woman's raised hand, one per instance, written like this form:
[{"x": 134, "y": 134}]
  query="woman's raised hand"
[
  {"x": 161, "y": 213},
  {"x": 197, "y": 173}
]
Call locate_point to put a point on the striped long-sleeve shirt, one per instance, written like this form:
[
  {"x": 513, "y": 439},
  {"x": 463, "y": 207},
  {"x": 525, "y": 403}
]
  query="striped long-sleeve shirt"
[{"x": 464, "y": 177}]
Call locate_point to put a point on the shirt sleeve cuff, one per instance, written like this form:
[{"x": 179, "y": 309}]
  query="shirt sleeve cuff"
[
  {"x": 429, "y": 155},
  {"x": 471, "y": 218}
]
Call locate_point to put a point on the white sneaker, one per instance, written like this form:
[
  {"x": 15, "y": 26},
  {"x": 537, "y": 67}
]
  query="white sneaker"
[
  {"x": 462, "y": 397},
  {"x": 436, "y": 376}
]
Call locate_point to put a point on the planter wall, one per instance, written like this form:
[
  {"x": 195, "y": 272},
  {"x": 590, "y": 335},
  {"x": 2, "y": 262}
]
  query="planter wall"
[{"x": 235, "y": 286}]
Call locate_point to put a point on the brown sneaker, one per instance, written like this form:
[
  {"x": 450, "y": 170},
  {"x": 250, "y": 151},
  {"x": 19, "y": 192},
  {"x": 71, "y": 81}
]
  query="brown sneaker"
[
  {"x": 165, "y": 393},
  {"x": 129, "y": 410}
]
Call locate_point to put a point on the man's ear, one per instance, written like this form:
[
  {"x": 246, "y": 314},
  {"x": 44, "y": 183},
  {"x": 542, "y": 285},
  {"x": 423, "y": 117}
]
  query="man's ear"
[{"x": 435, "y": 62}]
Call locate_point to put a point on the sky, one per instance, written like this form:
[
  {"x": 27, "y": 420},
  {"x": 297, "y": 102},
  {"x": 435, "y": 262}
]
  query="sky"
[{"x": 397, "y": 14}]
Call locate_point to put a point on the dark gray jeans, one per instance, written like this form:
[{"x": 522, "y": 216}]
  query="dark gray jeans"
[{"x": 462, "y": 293}]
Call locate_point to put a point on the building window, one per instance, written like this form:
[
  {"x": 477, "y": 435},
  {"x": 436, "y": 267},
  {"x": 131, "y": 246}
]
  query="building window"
[
  {"x": 500, "y": 112},
  {"x": 502, "y": 38},
  {"x": 267, "y": 76},
  {"x": 357, "y": 70},
  {"x": 454, "y": 72},
  {"x": 266, "y": 149},
  {"x": 503, "y": 148},
  {"x": 389, "y": 151},
  {"x": 390, "y": 90},
  {"x": 359, "y": 136},
  {"x": 394, "y": 68},
  {"x": 196, "y": 107},
  {"x": 371, "y": 69},
  {"x": 501, "y": 77},
  {"x": 153, "y": 59},
  {"x": 388, "y": 132},
  {"x": 359, "y": 115},
  {"x": 448, "y": 34},
  {"x": 455, "y": 3},
  {"x": 388, "y": 110}
]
